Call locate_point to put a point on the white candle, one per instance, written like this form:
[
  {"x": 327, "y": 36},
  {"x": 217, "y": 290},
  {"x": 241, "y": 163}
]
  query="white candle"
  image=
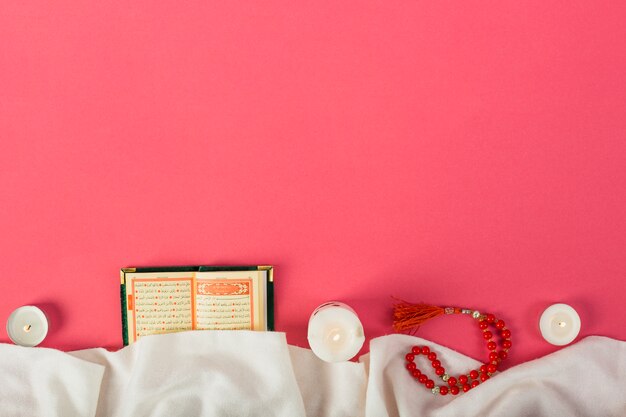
[
  {"x": 335, "y": 332},
  {"x": 559, "y": 324},
  {"x": 27, "y": 326}
]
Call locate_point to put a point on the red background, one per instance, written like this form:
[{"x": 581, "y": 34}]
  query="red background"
[{"x": 465, "y": 153}]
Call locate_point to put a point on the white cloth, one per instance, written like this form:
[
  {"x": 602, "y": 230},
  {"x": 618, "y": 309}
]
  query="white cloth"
[
  {"x": 329, "y": 389},
  {"x": 37, "y": 382},
  {"x": 585, "y": 379},
  {"x": 258, "y": 374},
  {"x": 201, "y": 373}
]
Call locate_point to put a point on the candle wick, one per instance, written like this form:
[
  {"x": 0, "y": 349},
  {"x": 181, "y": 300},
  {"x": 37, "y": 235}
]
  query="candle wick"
[
  {"x": 27, "y": 328},
  {"x": 562, "y": 324}
]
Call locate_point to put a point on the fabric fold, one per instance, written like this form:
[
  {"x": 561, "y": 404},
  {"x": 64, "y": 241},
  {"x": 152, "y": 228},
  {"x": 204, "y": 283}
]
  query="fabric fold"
[
  {"x": 200, "y": 373},
  {"x": 584, "y": 379},
  {"x": 329, "y": 389},
  {"x": 47, "y": 383},
  {"x": 241, "y": 373}
]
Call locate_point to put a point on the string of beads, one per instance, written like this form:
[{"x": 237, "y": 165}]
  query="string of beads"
[{"x": 489, "y": 326}]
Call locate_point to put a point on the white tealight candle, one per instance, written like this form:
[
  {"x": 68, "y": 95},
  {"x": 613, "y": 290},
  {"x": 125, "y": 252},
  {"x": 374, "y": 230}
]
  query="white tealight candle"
[
  {"x": 335, "y": 332},
  {"x": 559, "y": 324},
  {"x": 27, "y": 326}
]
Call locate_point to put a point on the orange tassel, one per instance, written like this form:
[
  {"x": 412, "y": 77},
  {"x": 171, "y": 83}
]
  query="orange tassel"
[{"x": 407, "y": 316}]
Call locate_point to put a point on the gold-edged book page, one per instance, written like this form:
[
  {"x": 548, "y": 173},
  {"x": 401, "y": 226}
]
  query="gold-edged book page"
[
  {"x": 159, "y": 302},
  {"x": 231, "y": 300}
]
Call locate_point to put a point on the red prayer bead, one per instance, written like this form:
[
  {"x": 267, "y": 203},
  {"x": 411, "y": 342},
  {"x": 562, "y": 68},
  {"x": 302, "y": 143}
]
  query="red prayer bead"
[
  {"x": 436, "y": 363},
  {"x": 443, "y": 390},
  {"x": 484, "y": 377},
  {"x": 416, "y": 350},
  {"x": 483, "y": 368},
  {"x": 463, "y": 379},
  {"x": 425, "y": 350},
  {"x": 500, "y": 324},
  {"x": 416, "y": 373},
  {"x": 452, "y": 381},
  {"x": 475, "y": 383},
  {"x": 506, "y": 333},
  {"x": 492, "y": 345},
  {"x": 430, "y": 384},
  {"x": 422, "y": 378},
  {"x": 483, "y": 325},
  {"x": 440, "y": 371},
  {"x": 507, "y": 344},
  {"x": 411, "y": 366},
  {"x": 454, "y": 390},
  {"x": 487, "y": 335},
  {"x": 493, "y": 356},
  {"x": 410, "y": 357},
  {"x": 490, "y": 318},
  {"x": 502, "y": 354},
  {"x": 432, "y": 356},
  {"x": 473, "y": 374},
  {"x": 491, "y": 368},
  {"x": 466, "y": 387}
]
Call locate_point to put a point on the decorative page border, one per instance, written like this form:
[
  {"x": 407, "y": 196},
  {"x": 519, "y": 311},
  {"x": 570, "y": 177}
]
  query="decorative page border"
[{"x": 132, "y": 303}]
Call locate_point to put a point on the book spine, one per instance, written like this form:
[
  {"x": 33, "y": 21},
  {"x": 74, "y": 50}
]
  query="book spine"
[
  {"x": 270, "y": 305},
  {"x": 124, "y": 317}
]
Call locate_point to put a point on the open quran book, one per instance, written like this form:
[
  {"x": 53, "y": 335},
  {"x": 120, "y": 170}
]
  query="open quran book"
[{"x": 172, "y": 299}]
